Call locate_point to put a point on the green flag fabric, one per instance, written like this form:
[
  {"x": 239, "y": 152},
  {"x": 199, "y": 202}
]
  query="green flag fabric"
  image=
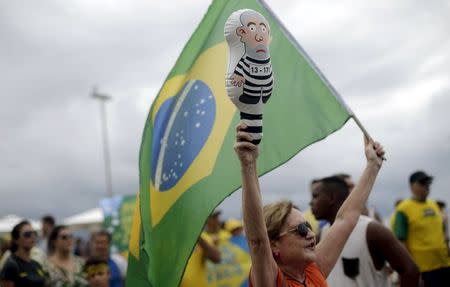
[{"x": 187, "y": 163}]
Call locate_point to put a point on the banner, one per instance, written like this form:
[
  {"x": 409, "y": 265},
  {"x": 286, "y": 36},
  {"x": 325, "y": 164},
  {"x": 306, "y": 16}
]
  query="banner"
[
  {"x": 118, "y": 218},
  {"x": 235, "y": 264}
]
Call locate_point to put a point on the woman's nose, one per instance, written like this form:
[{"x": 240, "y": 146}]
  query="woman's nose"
[{"x": 310, "y": 235}]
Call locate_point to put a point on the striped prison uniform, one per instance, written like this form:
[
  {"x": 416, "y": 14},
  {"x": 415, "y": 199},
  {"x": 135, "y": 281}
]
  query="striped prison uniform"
[{"x": 256, "y": 92}]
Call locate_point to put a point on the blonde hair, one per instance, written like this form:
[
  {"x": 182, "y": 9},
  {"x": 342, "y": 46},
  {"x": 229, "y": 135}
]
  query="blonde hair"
[{"x": 275, "y": 215}]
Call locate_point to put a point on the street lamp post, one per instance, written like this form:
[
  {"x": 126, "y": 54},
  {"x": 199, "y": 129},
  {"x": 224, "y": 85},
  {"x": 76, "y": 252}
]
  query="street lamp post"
[{"x": 103, "y": 98}]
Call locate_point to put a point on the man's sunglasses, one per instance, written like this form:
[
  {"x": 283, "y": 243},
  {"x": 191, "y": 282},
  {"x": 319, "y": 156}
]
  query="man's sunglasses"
[
  {"x": 29, "y": 234},
  {"x": 302, "y": 229}
]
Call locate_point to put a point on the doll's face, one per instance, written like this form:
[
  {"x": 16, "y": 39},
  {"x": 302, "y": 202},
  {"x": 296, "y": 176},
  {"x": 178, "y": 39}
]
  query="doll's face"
[{"x": 255, "y": 34}]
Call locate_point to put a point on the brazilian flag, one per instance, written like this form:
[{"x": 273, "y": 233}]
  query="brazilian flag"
[{"x": 187, "y": 163}]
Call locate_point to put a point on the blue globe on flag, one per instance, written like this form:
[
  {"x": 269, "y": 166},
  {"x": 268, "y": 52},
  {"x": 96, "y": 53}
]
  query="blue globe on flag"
[{"x": 182, "y": 127}]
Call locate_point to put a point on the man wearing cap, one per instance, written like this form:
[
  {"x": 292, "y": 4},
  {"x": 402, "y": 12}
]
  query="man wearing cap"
[
  {"x": 418, "y": 224},
  {"x": 213, "y": 228},
  {"x": 236, "y": 229}
]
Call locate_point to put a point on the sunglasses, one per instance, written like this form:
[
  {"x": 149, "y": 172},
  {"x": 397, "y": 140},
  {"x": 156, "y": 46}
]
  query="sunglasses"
[
  {"x": 302, "y": 229},
  {"x": 29, "y": 234},
  {"x": 65, "y": 236}
]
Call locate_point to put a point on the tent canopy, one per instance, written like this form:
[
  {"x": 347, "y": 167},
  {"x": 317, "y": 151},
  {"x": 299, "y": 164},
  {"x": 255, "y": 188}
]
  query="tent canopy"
[
  {"x": 91, "y": 217},
  {"x": 88, "y": 217},
  {"x": 7, "y": 223}
]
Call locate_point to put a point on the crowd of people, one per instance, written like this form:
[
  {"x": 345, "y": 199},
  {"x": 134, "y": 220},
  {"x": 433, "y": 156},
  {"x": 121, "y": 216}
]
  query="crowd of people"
[
  {"x": 339, "y": 241},
  {"x": 52, "y": 259}
]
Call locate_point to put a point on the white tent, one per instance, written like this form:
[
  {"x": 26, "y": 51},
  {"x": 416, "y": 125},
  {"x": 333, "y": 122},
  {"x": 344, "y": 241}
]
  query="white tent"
[
  {"x": 7, "y": 223},
  {"x": 89, "y": 218}
]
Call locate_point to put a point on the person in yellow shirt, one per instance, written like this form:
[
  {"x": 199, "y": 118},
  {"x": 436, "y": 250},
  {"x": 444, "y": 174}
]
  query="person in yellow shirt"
[
  {"x": 418, "y": 224},
  {"x": 196, "y": 274}
]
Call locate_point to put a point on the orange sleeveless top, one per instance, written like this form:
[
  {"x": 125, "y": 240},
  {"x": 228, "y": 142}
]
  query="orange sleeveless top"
[{"x": 314, "y": 278}]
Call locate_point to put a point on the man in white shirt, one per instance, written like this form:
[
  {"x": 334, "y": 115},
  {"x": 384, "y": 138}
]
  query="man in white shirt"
[{"x": 368, "y": 248}]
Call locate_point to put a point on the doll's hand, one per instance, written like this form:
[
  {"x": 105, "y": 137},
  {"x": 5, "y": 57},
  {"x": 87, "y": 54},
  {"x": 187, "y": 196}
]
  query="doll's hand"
[{"x": 237, "y": 80}]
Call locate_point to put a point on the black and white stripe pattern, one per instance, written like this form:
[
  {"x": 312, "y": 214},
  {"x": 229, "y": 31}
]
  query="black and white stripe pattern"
[{"x": 257, "y": 90}]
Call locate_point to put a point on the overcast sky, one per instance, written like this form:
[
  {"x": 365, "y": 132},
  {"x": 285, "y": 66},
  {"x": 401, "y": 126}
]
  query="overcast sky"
[{"x": 388, "y": 59}]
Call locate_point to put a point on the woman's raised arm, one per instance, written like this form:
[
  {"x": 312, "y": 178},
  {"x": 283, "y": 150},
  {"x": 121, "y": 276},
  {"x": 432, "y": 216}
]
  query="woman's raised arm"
[{"x": 264, "y": 268}]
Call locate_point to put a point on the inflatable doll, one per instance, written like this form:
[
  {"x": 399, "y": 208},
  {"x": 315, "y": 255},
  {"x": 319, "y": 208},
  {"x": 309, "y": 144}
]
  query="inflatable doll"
[{"x": 249, "y": 80}]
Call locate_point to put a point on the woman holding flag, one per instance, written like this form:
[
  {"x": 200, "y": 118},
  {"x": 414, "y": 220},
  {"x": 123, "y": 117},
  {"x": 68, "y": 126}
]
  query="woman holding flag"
[{"x": 282, "y": 245}]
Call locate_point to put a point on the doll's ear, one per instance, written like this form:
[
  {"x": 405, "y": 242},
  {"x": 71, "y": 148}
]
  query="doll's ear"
[{"x": 240, "y": 31}]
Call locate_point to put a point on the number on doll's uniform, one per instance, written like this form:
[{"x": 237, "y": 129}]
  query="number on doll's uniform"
[{"x": 260, "y": 70}]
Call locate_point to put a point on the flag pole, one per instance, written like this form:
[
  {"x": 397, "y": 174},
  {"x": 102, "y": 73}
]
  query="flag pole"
[{"x": 363, "y": 129}]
